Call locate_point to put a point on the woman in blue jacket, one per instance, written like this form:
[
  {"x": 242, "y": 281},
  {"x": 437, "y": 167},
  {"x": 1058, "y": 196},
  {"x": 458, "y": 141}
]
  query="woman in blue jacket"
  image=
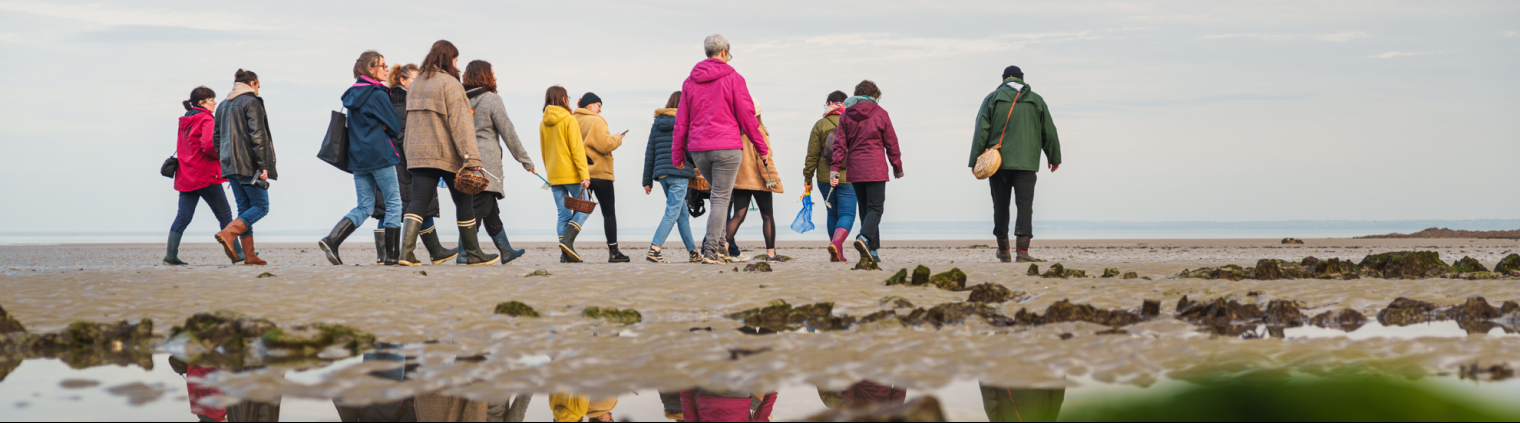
[
  {"x": 673, "y": 182},
  {"x": 372, "y": 158}
]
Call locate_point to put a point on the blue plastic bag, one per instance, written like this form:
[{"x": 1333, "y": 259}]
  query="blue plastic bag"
[{"x": 804, "y": 221}]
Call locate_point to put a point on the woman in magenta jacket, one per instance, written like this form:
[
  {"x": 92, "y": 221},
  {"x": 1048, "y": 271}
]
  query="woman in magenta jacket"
[
  {"x": 864, "y": 144},
  {"x": 200, "y": 169}
]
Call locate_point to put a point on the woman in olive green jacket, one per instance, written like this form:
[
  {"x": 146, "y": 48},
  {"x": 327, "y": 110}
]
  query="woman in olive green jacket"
[{"x": 838, "y": 200}]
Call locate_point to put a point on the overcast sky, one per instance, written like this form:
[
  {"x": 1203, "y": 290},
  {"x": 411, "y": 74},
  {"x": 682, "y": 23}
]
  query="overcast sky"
[{"x": 1218, "y": 111}]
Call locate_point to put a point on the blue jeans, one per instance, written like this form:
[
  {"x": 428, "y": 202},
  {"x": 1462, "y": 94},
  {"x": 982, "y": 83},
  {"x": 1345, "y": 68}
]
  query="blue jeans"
[
  {"x": 841, "y": 207},
  {"x": 213, "y": 196},
  {"x": 252, "y": 202},
  {"x": 567, "y": 215},
  {"x": 675, "y": 213},
  {"x": 365, "y": 184}
]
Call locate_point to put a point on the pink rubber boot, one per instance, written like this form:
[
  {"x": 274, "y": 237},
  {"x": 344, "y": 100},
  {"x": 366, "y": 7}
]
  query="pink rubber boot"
[{"x": 836, "y": 246}]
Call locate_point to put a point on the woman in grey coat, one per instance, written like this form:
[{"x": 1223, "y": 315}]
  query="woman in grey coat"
[{"x": 491, "y": 124}]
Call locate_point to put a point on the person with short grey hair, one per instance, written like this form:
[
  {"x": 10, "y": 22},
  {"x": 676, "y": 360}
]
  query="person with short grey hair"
[{"x": 716, "y": 111}]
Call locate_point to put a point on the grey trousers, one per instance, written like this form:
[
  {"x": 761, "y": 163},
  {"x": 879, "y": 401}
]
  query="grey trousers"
[{"x": 721, "y": 168}]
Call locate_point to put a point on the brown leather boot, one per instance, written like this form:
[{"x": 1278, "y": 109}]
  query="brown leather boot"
[
  {"x": 229, "y": 237},
  {"x": 252, "y": 258}
]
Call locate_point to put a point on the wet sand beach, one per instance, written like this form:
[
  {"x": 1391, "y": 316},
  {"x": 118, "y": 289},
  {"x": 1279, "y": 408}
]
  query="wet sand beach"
[{"x": 446, "y": 314}]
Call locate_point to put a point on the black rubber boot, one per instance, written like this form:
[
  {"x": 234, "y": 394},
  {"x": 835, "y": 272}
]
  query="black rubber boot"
[
  {"x": 436, "y": 252},
  {"x": 410, "y": 226},
  {"x": 380, "y": 246},
  {"x": 1003, "y": 254},
  {"x": 615, "y": 256},
  {"x": 1023, "y": 248},
  {"x": 392, "y": 249},
  {"x": 171, "y": 257},
  {"x": 330, "y": 244},
  {"x": 567, "y": 242},
  {"x": 469, "y": 246},
  {"x": 508, "y": 254}
]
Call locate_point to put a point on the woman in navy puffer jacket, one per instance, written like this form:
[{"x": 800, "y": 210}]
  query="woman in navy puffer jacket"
[{"x": 673, "y": 181}]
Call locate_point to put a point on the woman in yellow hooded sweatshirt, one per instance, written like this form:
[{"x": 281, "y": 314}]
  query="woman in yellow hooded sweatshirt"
[{"x": 565, "y": 160}]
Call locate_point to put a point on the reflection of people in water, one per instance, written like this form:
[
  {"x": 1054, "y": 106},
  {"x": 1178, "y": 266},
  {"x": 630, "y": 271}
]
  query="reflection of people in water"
[
  {"x": 864, "y": 393},
  {"x": 430, "y": 407},
  {"x": 245, "y": 411},
  {"x": 578, "y": 408},
  {"x": 1022, "y": 405},
  {"x": 702, "y": 405}
]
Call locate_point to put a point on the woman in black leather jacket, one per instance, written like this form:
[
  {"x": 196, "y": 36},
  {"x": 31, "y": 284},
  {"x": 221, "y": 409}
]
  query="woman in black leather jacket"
[{"x": 248, "y": 161}]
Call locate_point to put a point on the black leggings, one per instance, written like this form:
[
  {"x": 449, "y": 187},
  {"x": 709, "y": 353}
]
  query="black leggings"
[
  {"x": 602, "y": 189},
  {"x": 425, "y": 189},
  {"x": 489, "y": 212},
  {"x": 213, "y": 196},
  {"x": 741, "y": 209},
  {"x": 872, "y": 199}
]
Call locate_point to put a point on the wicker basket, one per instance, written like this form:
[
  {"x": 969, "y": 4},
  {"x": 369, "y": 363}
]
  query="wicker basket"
[
  {"x": 470, "y": 183},
  {"x": 699, "y": 183},
  {"x": 581, "y": 205}
]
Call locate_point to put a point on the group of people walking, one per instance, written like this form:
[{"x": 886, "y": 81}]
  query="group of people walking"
[{"x": 412, "y": 128}]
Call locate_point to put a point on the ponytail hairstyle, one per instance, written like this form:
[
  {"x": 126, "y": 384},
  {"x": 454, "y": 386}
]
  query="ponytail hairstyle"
[
  {"x": 400, "y": 72},
  {"x": 478, "y": 74},
  {"x": 366, "y": 63},
  {"x": 557, "y": 96},
  {"x": 245, "y": 77},
  {"x": 441, "y": 59},
  {"x": 198, "y": 95}
]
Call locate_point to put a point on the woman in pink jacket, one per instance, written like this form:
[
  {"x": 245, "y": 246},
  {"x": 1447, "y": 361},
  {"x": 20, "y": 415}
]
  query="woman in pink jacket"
[
  {"x": 715, "y": 111},
  {"x": 702, "y": 405},
  {"x": 865, "y": 143},
  {"x": 200, "y": 170}
]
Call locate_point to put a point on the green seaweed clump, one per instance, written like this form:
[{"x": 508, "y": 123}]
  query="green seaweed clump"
[
  {"x": 516, "y": 309},
  {"x": 866, "y": 264},
  {"x": 779, "y": 316},
  {"x": 1468, "y": 265},
  {"x": 1130, "y": 275},
  {"x": 899, "y": 278},
  {"x": 1227, "y": 272},
  {"x": 539, "y": 272},
  {"x": 758, "y": 267},
  {"x": 224, "y": 329},
  {"x": 1510, "y": 265},
  {"x": 1110, "y": 272},
  {"x": 85, "y": 344},
  {"x": 1059, "y": 271},
  {"x": 921, "y": 275},
  {"x": 1034, "y": 270},
  {"x": 1405, "y": 264},
  {"x": 625, "y": 317},
  {"x": 994, "y": 293},
  {"x": 953, "y": 280},
  {"x": 308, "y": 340}
]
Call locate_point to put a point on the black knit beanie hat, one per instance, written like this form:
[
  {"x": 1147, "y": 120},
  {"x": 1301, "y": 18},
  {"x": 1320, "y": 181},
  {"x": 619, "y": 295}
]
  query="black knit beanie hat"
[
  {"x": 589, "y": 99},
  {"x": 1013, "y": 71}
]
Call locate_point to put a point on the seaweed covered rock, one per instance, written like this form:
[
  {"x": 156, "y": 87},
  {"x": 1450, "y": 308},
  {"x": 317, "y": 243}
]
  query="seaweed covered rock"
[
  {"x": 1405, "y": 264},
  {"x": 950, "y": 314},
  {"x": 1110, "y": 272},
  {"x": 1272, "y": 269},
  {"x": 1227, "y": 272},
  {"x": 923, "y": 409},
  {"x": 1331, "y": 269},
  {"x": 992, "y": 293},
  {"x": 1347, "y": 319},
  {"x": 1034, "y": 270},
  {"x": 516, "y": 309},
  {"x": 899, "y": 278},
  {"x": 1219, "y": 312},
  {"x": 539, "y": 272},
  {"x": 921, "y": 275},
  {"x": 1292, "y": 241},
  {"x": 779, "y": 316},
  {"x": 1065, "y": 311},
  {"x": 1468, "y": 265},
  {"x": 222, "y": 329},
  {"x": 953, "y": 280},
  {"x": 1130, "y": 275},
  {"x": 1403, "y": 312},
  {"x": 85, "y": 344},
  {"x": 1150, "y": 309},
  {"x": 1510, "y": 265},
  {"x": 1475, "y": 308},
  {"x": 758, "y": 267},
  {"x": 896, "y": 302},
  {"x": 625, "y": 316},
  {"x": 309, "y": 340},
  {"x": 1284, "y": 313},
  {"x": 866, "y": 264},
  {"x": 9, "y": 324},
  {"x": 1060, "y": 271}
]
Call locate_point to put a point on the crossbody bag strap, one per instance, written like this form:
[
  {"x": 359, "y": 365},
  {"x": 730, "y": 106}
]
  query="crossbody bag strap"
[{"x": 1008, "y": 120}]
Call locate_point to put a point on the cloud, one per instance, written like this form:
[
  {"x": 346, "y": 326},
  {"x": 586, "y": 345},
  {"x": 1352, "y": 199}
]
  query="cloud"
[
  {"x": 105, "y": 14},
  {"x": 1511, "y": 34},
  {"x": 1393, "y": 54},
  {"x": 1336, "y": 37}
]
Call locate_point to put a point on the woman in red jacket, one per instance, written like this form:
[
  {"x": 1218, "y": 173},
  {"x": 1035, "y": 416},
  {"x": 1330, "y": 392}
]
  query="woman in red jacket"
[
  {"x": 865, "y": 144},
  {"x": 200, "y": 170}
]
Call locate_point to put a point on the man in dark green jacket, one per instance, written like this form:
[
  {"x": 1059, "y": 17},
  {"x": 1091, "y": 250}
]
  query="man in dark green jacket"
[{"x": 1024, "y": 132}]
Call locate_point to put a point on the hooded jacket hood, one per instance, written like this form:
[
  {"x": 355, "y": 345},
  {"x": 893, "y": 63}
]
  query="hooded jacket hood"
[
  {"x": 358, "y": 93},
  {"x": 237, "y": 90},
  {"x": 862, "y": 111},
  {"x": 554, "y": 115},
  {"x": 665, "y": 112},
  {"x": 710, "y": 70}
]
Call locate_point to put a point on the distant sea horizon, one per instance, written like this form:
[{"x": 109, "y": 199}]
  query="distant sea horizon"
[{"x": 927, "y": 230}]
